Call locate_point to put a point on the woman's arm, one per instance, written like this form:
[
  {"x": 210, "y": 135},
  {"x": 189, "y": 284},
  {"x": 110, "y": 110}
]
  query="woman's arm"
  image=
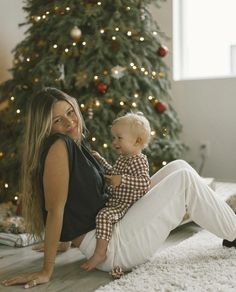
[{"x": 55, "y": 181}]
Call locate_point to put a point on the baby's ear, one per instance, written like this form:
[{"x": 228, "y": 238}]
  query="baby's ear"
[{"x": 139, "y": 141}]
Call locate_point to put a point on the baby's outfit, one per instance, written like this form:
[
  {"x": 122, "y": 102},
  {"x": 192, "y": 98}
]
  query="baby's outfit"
[{"x": 135, "y": 182}]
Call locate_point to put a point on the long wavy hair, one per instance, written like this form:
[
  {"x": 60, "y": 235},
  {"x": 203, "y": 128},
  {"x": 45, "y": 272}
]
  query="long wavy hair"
[{"x": 38, "y": 128}]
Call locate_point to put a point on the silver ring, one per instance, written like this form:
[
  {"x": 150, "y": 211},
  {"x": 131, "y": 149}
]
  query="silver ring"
[{"x": 34, "y": 283}]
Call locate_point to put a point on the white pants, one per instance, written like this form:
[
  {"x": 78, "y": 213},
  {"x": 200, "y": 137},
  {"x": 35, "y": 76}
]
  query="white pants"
[{"x": 175, "y": 188}]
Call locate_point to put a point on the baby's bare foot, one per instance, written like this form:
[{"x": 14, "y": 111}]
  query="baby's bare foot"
[{"x": 95, "y": 260}]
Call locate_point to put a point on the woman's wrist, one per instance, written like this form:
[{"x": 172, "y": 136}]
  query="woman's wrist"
[{"x": 48, "y": 267}]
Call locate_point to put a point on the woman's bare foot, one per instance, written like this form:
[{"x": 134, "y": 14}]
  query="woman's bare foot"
[{"x": 94, "y": 261}]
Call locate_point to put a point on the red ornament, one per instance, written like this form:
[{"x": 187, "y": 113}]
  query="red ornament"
[
  {"x": 160, "y": 107},
  {"x": 102, "y": 87},
  {"x": 162, "y": 51}
]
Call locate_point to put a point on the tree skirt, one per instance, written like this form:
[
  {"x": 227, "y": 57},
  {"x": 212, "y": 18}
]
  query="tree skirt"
[{"x": 199, "y": 263}]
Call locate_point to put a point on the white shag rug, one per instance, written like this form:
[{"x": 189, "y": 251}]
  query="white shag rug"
[{"x": 199, "y": 263}]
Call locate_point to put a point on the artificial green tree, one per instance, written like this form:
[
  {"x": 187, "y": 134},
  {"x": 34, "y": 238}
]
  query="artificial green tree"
[{"x": 108, "y": 54}]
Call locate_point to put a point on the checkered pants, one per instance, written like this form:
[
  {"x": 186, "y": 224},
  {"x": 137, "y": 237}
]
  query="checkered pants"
[{"x": 106, "y": 218}]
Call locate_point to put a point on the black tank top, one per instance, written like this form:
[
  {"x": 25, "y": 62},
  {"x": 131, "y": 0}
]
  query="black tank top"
[{"x": 86, "y": 195}]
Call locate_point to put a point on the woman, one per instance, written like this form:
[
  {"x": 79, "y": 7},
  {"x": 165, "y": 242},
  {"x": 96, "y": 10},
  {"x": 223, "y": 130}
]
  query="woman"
[{"x": 63, "y": 184}]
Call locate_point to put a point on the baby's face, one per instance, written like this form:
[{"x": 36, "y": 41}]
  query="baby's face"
[{"x": 124, "y": 140}]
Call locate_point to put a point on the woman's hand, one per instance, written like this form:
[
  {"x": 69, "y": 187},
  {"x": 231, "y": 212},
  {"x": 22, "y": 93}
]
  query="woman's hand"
[
  {"x": 114, "y": 180},
  {"x": 30, "y": 280},
  {"x": 96, "y": 154}
]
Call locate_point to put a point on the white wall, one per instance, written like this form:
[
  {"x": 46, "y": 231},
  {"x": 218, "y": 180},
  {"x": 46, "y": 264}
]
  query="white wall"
[{"x": 206, "y": 108}]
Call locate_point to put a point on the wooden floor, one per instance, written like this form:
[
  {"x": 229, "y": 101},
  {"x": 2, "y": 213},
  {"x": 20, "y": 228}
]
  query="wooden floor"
[{"x": 67, "y": 276}]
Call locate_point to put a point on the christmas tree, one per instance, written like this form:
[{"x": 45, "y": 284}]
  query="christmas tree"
[{"x": 109, "y": 55}]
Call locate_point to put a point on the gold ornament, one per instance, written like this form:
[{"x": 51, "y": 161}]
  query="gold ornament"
[{"x": 76, "y": 33}]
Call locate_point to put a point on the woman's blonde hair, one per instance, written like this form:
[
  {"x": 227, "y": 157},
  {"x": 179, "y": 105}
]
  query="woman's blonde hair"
[
  {"x": 138, "y": 124},
  {"x": 38, "y": 128}
]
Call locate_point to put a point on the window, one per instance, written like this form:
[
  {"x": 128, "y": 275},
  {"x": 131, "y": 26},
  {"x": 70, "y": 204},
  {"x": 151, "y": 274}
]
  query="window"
[{"x": 204, "y": 39}]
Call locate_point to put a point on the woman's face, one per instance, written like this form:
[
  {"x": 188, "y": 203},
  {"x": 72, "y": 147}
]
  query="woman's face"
[{"x": 65, "y": 120}]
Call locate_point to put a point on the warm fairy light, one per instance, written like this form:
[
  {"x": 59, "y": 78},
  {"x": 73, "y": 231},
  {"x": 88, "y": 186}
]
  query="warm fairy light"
[
  {"x": 164, "y": 163},
  {"x": 134, "y": 104},
  {"x": 66, "y": 50},
  {"x": 6, "y": 186},
  {"x": 68, "y": 8},
  {"x": 28, "y": 59},
  {"x": 153, "y": 133},
  {"x": 1, "y": 154},
  {"x": 154, "y": 33},
  {"x": 55, "y": 46},
  {"x": 95, "y": 77},
  {"x": 136, "y": 95},
  {"x": 131, "y": 64},
  {"x": 113, "y": 38},
  {"x": 146, "y": 72},
  {"x": 74, "y": 44},
  {"x": 102, "y": 30},
  {"x": 99, "y": 3},
  {"x": 141, "y": 39},
  {"x": 105, "y": 145},
  {"x": 82, "y": 105},
  {"x": 36, "y": 80},
  {"x": 161, "y": 74},
  {"x": 47, "y": 12},
  {"x": 17, "y": 111},
  {"x": 142, "y": 69},
  {"x": 128, "y": 8},
  {"x": 44, "y": 16},
  {"x": 93, "y": 139},
  {"x": 122, "y": 103},
  {"x": 134, "y": 67},
  {"x": 97, "y": 103},
  {"x": 150, "y": 97},
  {"x": 84, "y": 43},
  {"x": 129, "y": 33},
  {"x": 12, "y": 98},
  {"x": 117, "y": 29},
  {"x": 154, "y": 73},
  {"x": 16, "y": 198},
  {"x": 38, "y": 18}
]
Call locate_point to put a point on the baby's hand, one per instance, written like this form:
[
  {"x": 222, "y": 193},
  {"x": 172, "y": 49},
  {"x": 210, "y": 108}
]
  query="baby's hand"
[
  {"x": 114, "y": 180},
  {"x": 96, "y": 154}
]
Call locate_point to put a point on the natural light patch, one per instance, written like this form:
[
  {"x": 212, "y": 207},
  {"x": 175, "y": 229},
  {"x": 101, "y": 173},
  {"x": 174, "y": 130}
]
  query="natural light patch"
[{"x": 204, "y": 39}]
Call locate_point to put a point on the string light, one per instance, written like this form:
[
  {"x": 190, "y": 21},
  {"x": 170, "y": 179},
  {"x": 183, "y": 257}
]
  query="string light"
[
  {"x": 99, "y": 3},
  {"x": 122, "y": 103},
  {"x": 93, "y": 139},
  {"x": 105, "y": 145},
  {"x": 141, "y": 39},
  {"x": 153, "y": 133},
  {"x": 18, "y": 111},
  {"x": 95, "y": 77},
  {"x": 102, "y": 31},
  {"x": 82, "y": 105},
  {"x": 134, "y": 104},
  {"x": 113, "y": 38},
  {"x": 164, "y": 163},
  {"x": 12, "y": 98},
  {"x": 129, "y": 33},
  {"x": 84, "y": 43},
  {"x": 66, "y": 50},
  {"x": 55, "y": 46},
  {"x": 117, "y": 29},
  {"x": 6, "y": 185}
]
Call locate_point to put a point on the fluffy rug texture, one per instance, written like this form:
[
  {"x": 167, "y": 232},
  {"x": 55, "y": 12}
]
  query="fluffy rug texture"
[{"x": 199, "y": 263}]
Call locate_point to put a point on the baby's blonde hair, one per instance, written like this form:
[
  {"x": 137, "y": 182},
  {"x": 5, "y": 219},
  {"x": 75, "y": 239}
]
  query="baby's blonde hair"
[{"x": 138, "y": 124}]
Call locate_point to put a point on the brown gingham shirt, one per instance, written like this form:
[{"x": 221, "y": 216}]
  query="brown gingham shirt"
[{"x": 135, "y": 179}]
